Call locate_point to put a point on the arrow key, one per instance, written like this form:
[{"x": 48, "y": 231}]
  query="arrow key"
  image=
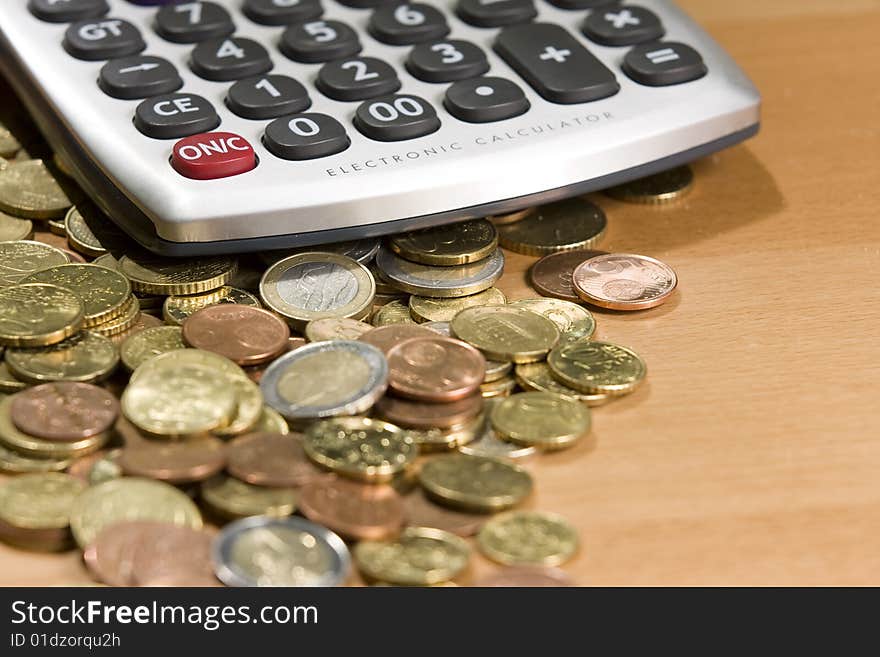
[{"x": 140, "y": 76}]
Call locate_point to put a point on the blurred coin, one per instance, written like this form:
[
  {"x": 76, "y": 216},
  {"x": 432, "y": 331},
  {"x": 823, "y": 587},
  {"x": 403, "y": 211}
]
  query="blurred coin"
[
  {"x": 86, "y": 357},
  {"x": 263, "y": 551},
  {"x": 384, "y": 286},
  {"x": 8, "y": 383},
  {"x": 142, "y": 322},
  {"x": 510, "y": 217},
  {"x": 336, "y": 328},
  {"x": 393, "y": 312},
  {"x": 270, "y": 421},
  {"x": 129, "y": 498},
  {"x": 104, "y": 291},
  {"x": 249, "y": 406},
  {"x": 270, "y": 459},
  {"x": 506, "y": 333},
  {"x": 360, "y": 448},
  {"x": 422, "y": 512},
  {"x": 428, "y": 309},
  {"x": 624, "y": 281},
  {"x": 661, "y": 187},
  {"x": 526, "y": 576},
  {"x": 435, "y": 369},
  {"x": 542, "y": 419},
  {"x": 82, "y": 466},
  {"x": 28, "y": 190},
  {"x": 440, "y": 439},
  {"x": 57, "y": 227},
  {"x": 498, "y": 388},
  {"x": 13, "y": 228},
  {"x": 176, "y": 309},
  {"x": 38, "y": 314},
  {"x": 433, "y": 281},
  {"x": 39, "y": 501},
  {"x": 178, "y": 555},
  {"x": 28, "y": 445},
  {"x": 528, "y": 538},
  {"x": 64, "y": 411},
  {"x": 442, "y": 328},
  {"x": 597, "y": 367},
  {"x": 232, "y": 499},
  {"x": 573, "y": 321},
  {"x": 450, "y": 244},
  {"x": 537, "y": 376},
  {"x": 351, "y": 509},
  {"x": 426, "y": 415},
  {"x": 561, "y": 226},
  {"x": 127, "y": 318},
  {"x": 497, "y": 369},
  {"x": 311, "y": 286},
  {"x": 475, "y": 483},
  {"x": 154, "y": 275},
  {"x": 150, "y": 342},
  {"x": 183, "y": 462},
  {"x": 244, "y": 335},
  {"x": 23, "y": 257},
  {"x": 325, "y": 379},
  {"x": 13, "y": 462},
  {"x": 91, "y": 232},
  {"x": 110, "y": 556},
  {"x": 385, "y": 338},
  {"x": 9, "y": 144},
  {"x": 420, "y": 556},
  {"x": 360, "y": 250}
]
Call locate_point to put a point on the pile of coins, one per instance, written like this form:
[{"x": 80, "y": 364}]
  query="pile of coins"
[{"x": 385, "y": 392}]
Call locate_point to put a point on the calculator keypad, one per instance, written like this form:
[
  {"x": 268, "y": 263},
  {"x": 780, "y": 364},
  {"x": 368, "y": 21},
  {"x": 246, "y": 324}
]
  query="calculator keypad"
[
  {"x": 282, "y": 12},
  {"x": 138, "y": 76},
  {"x": 267, "y": 97},
  {"x": 191, "y": 22},
  {"x": 53, "y": 11},
  {"x": 396, "y": 118},
  {"x": 583, "y": 4},
  {"x": 305, "y": 136},
  {"x": 230, "y": 58},
  {"x": 407, "y": 24},
  {"x": 319, "y": 41},
  {"x": 106, "y": 38},
  {"x": 357, "y": 78},
  {"x": 175, "y": 115},
  {"x": 496, "y": 12},
  {"x": 446, "y": 61},
  {"x": 481, "y": 100},
  {"x": 625, "y": 25},
  {"x": 663, "y": 63}
]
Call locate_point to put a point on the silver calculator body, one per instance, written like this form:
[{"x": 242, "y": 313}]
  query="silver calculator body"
[{"x": 462, "y": 170}]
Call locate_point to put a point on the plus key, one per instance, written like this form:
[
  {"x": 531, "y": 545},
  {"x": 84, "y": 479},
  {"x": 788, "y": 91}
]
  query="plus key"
[{"x": 555, "y": 64}]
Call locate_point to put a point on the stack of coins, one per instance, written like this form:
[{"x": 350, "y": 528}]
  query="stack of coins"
[{"x": 370, "y": 404}]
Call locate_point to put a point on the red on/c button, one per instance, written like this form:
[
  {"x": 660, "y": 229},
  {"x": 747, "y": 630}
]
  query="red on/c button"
[{"x": 213, "y": 155}]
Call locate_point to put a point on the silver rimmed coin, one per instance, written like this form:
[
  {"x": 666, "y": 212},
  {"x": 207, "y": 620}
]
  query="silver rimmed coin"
[
  {"x": 360, "y": 250},
  {"x": 310, "y": 286},
  {"x": 326, "y": 379},
  {"x": 444, "y": 282},
  {"x": 263, "y": 551}
]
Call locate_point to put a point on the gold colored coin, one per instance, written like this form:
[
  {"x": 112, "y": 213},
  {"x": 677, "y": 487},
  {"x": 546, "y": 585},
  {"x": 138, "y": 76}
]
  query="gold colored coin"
[
  {"x": 248, "y": 409},
  {"x": 90, "y": 232},
  {"x": 528, "y": 538},
  {"x": 510, "y": 217},
  {"x": 39, "y": 501},
  {"x": 393, "y": 312},
  {"x": 430, "y": 309},
  {"x": 22, "y": 443},
  {"x": 497, "y": 369},
  {"x": 475, "y": 483},
  {"x": 154, "y": 275},
  {"x": 8, "y": 383},
  {"x": 506, "y": 333},
  {"x": 542, "y": 419},
  {"x": 13, "y": 228},
  {"x": 360, "y": 448},
  {"x": 56, "y": 227},
  {"x": 233, "y": 499},
  {"x": 573, "y": 321},
  {"x": 9, "y": 144},
  {"x": 537, "y": 376},
  {"x": 435, "y": 439},
  {"x": 150, "y": 342},
  {"x": 561, "y": 226},
  {"x": 12, "y": 462},
  {"x": 597, "y": 367},
  {"x": 18, "y": 259},
  {"x": 420, "y": 556},
  {"x": 37, "y": 314},
  {"x": 128, "y": 499},
  {"x": 104, "y": 292},
  {"x": 488, "y": 444},
  {"x": 336, "y": 328},
  {"x": 176, "y": 309},
  {"x": 28, "y": 190},
  {"x": 451, "y": 244},
  {"x": 271, "y": 421},
  {"x": 310, "y": 286},
  {"x": 126, "y": 319},
  {"x": 498, "y": 388},
  {"x": 86, "y": 357},
  {"x": 662, "y": 187}
]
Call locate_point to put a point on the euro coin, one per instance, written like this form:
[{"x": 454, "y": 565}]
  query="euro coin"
[
  {"x": 661, "y": 187},
  {"x": 38, "y": 314},
  {"x": 561, "y": 226},
  {"x": 23, "y": 257},
  {"x": 86, "y": 357},
  {"x": 270, "y": 459},
  {"x": 90, "y": 232},
  {"x": 444, "y": 282},
  {"x": 168, "y": 276},
  {"x": 29, "y": 190},
  {"x": 142, "y": 346},
  {"x": 475, "y": 483},
  {"x": 432, "y": 309},
  {"x": 435, "y": 369},
  {"x": 177, "y": 463},
  {"x": 385, "y": 338},
  {"x": 336, "y": 328},
  {"x": 244, "y": 335},
  {"x": 393, "y": 312},
  {"x": 104, "y": 292},
  {"x": 538, "y": 377},
  {"x": 13, "y": 462},
  {"x": 624, "y": 281},
  {"x": 23, "y": 443},
  {"x": 127, "y": 318},
  {"x": 533, "y": 538},
  {"x": 542, "y": 419},
  {"x": 13, "y": 228},
  {"x": 232, "y": 499},
  {"x": 506, "y": 333},
  {"x": 39, "y": 501},
  {"x": 354, "y": 510},
  {"x": 450, "y": 244},
  {"x": 573, "y": 321},
  {"x": 420, "y": 556},
  {"x": 422, "y": 512},
  {"x": 597, "y": 367},
  {"x": 489, "y": 445},
  {"x": 510, "y": 217},
  {"x": 551, "y": 276},
  {"x": 176, "y": 309},
  {"x": 438, "y": 439},
  {"x": 499, "y": 388},
  {"x": 65, "y": 411}
]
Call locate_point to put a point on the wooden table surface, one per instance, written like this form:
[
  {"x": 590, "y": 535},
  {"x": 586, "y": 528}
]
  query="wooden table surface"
[{"x": 752, "y": 454}]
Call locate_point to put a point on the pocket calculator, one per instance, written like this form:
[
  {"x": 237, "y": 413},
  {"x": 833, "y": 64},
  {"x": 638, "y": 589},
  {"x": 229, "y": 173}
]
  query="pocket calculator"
[{"x": 242, "y": 125}]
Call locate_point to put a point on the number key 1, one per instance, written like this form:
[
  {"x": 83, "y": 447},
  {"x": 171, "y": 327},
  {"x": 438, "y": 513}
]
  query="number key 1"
[{"x": 267, "y": 96}]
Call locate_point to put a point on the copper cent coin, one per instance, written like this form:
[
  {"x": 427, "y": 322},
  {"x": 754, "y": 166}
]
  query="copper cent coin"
[
  {"x": 364, "y": 512},
  {"x": 385, "y": 338},
  {"x": 270, "y": 459},
  {"x": 64, "y": 411},
  {"x": 110, "y": 557},
  {"x": 422, "y": 512},
  {"x": 552, "y": 274},
  {"x": 435, "y": 369},
  {"x": 176, "y": 463},
  {"x": 427, "y": 415},
  {"x": 530, "y": 576},
  {"x": 244, "y": 334},
  {"x": 624, "y": 281},
  {"x": 174, "y": 553}
]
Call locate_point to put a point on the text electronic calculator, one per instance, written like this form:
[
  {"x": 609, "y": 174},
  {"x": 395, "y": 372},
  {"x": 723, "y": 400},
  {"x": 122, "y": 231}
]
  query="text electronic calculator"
[{"x": 240, "y": 125}]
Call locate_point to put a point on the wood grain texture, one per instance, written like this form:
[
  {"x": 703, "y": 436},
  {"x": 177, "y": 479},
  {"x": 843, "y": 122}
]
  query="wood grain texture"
[{"x": 751, "y": 455}]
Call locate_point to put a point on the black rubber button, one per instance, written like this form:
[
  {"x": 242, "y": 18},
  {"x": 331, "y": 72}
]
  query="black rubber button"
[
  {"x": 396, "y": 117},
  {"x": 191, "y": 22},
  {"x": 446, "y": 61},
  {"x": 366, "y": 4},
  {"x": 583, "y": 4},
  {"x": 231, "y": 58},
  {"x": 267, "y": 96},
  {"x": 305, "y": 136},
  {"x": 282, "y": 12},
  {"x": 67, "y": 11},
  {"x": 407, "y": 23},
  {"x": 482, "y": 100},
  {"x": 624, "y": 25},
  {"x": 495, "y": 14},
  {"x": 105, "y": 38},
  {"x": 663, "y": 63},
  {"x": 319, "y": 41},
  {"x": 139, "y": 76},
  {"x": 175, "y": 115},
  {"x": 555, "y": 64},
  {"x": 357, "y": 78}
]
